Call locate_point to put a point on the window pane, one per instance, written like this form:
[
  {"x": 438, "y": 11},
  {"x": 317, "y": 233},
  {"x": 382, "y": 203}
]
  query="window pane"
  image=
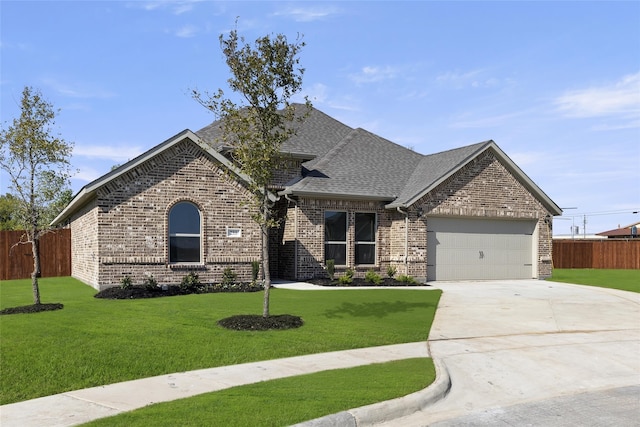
[
  {"x": 335, "y": 227},
  {"x": 184, "y": 233},
  {"x": 336, "y": 252},
  {"x": 365, "y": 254},
  {"x": 184, "y": 249},
  {"x": 365, "y": 227},
  {"x": 184, "y": 218}
]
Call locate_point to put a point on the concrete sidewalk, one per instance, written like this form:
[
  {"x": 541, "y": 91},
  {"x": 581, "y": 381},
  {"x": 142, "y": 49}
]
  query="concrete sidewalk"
[{"x": 77, "y": 407}]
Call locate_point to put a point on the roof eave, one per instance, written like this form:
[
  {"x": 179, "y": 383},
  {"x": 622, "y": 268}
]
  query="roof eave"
[{"x": 337, "y": 196}]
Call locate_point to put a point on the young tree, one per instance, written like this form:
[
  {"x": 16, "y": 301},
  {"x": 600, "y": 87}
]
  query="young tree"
[
  {"x": 265, "y": 76},
  {"x": 38, "y": 166}
]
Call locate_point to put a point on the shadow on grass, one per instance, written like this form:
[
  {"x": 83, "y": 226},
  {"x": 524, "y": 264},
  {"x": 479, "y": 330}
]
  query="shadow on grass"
[{"x": 374, "y": 309}]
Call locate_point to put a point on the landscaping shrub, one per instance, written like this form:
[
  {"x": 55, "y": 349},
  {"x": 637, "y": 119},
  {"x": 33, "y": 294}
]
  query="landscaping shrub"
[
  {"x": 347, "y": 278},
  {"x": 391, "y": 271},
  {"x": 150, "y": 283},
  {"x": 331, "y": 268},
  {"x": 255, "y": 270},
  {"x": 407, "y": 279},
  {"x": 373, "y": 277},
  {"x": 191, "y": 283},
  {"x": 228, "y": 277},
  {"x": 126, "y": 282}
]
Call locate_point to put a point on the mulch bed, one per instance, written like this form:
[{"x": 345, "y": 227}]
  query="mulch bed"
[
  {"x": 249, "y": 322},
  {"x": 34, "y": 308},
  {"x": 140, "y": 291},
  {"x": 387, "y": 281}
]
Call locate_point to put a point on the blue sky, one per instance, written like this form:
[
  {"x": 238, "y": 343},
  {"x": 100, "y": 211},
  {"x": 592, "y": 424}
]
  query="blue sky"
[{"x": 555, "y": 84}]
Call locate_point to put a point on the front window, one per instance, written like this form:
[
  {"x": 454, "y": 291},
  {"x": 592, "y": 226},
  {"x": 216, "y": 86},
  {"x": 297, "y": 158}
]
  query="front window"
[
  {"x": 184, "y": 233},
  {"x": 335, "y": 237},
  {"x": 365, "y": 238}
]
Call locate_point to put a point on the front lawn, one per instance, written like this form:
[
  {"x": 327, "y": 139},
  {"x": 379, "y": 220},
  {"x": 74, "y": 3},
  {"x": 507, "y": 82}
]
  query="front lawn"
[
  {"x": 94, "y": 341},
  {"x": 626, "y": 280}
]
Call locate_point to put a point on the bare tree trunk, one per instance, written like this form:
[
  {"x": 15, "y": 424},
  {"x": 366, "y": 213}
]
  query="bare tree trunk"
[
  {"x": 265, "y": 269},
  {"x": 35, "y": 249}
]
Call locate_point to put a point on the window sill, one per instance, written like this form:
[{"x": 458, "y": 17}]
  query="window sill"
[{"x": 187, "y": 266}]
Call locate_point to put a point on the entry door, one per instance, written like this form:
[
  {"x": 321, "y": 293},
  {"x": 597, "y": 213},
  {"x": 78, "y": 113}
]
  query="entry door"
[{"x": 479, "y": 249}]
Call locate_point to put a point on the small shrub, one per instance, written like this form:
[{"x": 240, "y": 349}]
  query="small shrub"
[
  {"x": 255, "y": 270},
  {"x": 191, "y": 282},
  {"x": 331, "y": 268},
  {"x": 407, "y": 279},
  {"x": 391, "y": 271},
  {"x": 150, "y": 283},
  {"x": 228, "y": 276},
  {"x": 126, "y": 282},
  {"x": 347, "y": 278},
  {"x": 372, "y": 277}
]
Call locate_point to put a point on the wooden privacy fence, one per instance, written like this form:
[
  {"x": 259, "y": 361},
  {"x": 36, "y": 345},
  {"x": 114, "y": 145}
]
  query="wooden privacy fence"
[
  {"x": 609, "y": 253},
  {"x": 16, "y": 260}
]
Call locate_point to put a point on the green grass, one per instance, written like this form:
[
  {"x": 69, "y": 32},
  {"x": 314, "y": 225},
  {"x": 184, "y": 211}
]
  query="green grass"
[
  {"x": 286, "y": 401},
  {"x": 94, "y": 341},
  {"x": 626, "y": 280}
]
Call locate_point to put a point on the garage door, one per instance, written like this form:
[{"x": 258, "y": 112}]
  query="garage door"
[{"x": 479, "y": 249}]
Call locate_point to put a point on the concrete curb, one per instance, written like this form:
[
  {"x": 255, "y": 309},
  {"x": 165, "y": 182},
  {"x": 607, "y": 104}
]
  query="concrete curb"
[{"x": 391, "y": 409}]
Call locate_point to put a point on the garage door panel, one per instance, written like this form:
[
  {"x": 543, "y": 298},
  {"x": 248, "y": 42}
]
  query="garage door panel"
[{"x": 471, "y": 249}]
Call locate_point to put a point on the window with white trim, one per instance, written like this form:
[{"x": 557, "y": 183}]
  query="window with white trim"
[
  {"x": 335, "y": 237},
  {"x": 184, "y": 233},
  {"x": 365, "y": 238}
]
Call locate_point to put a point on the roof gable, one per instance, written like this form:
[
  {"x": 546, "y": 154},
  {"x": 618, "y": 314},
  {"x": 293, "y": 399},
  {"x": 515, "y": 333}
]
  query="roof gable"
[
  {"x": 88, "y": 191},
  {"x": 436, "y": 168}
]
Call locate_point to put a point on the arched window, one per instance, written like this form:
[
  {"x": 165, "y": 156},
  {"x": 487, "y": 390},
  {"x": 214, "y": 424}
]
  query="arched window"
[{"x": 184, "y": 233}]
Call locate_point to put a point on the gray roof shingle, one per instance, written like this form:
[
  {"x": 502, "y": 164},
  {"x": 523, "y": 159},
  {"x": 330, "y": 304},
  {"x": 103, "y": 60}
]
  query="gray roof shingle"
[{"x": 353, "y": 163}]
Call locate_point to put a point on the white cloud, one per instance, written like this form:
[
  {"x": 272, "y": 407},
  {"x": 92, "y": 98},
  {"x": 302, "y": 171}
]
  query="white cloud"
[
  {"x": 307, "y": 14},
  {"x": 86, "y": 174},
  {"x": 316, "y": 93},
  {"x": 374, "y": 74},
  {"x": 187, "y": 31},
  {"x": 77, "y": 90},
  {"x": 177, "y": 7},
  {"x": 116, "y": 154},
  {"x": 621, "y": 99},
  {"x": 473, "y": 78}
]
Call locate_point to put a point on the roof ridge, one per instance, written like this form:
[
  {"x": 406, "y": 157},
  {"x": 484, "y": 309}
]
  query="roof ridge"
[{"x": 336, "y": 148}]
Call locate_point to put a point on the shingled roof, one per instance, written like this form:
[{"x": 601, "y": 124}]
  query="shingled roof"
[{"x": 347, "y": 163}]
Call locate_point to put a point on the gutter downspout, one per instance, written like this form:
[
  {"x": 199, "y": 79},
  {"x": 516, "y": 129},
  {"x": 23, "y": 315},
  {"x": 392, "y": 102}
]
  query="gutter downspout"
[
  {"x": 295, "y": 235},
  {"x": 406, "y": 239}
]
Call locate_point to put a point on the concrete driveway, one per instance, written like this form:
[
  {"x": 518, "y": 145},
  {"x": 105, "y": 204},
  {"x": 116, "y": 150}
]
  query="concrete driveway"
[{"x": 514, "y": 349}]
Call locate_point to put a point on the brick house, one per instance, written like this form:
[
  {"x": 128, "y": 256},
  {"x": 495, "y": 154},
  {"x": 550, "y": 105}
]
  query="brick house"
[{"x": 345, "y": 194}]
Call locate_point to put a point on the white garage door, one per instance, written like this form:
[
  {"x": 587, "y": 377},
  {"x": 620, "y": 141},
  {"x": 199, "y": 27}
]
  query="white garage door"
[{"x": 479, "y": 249}]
